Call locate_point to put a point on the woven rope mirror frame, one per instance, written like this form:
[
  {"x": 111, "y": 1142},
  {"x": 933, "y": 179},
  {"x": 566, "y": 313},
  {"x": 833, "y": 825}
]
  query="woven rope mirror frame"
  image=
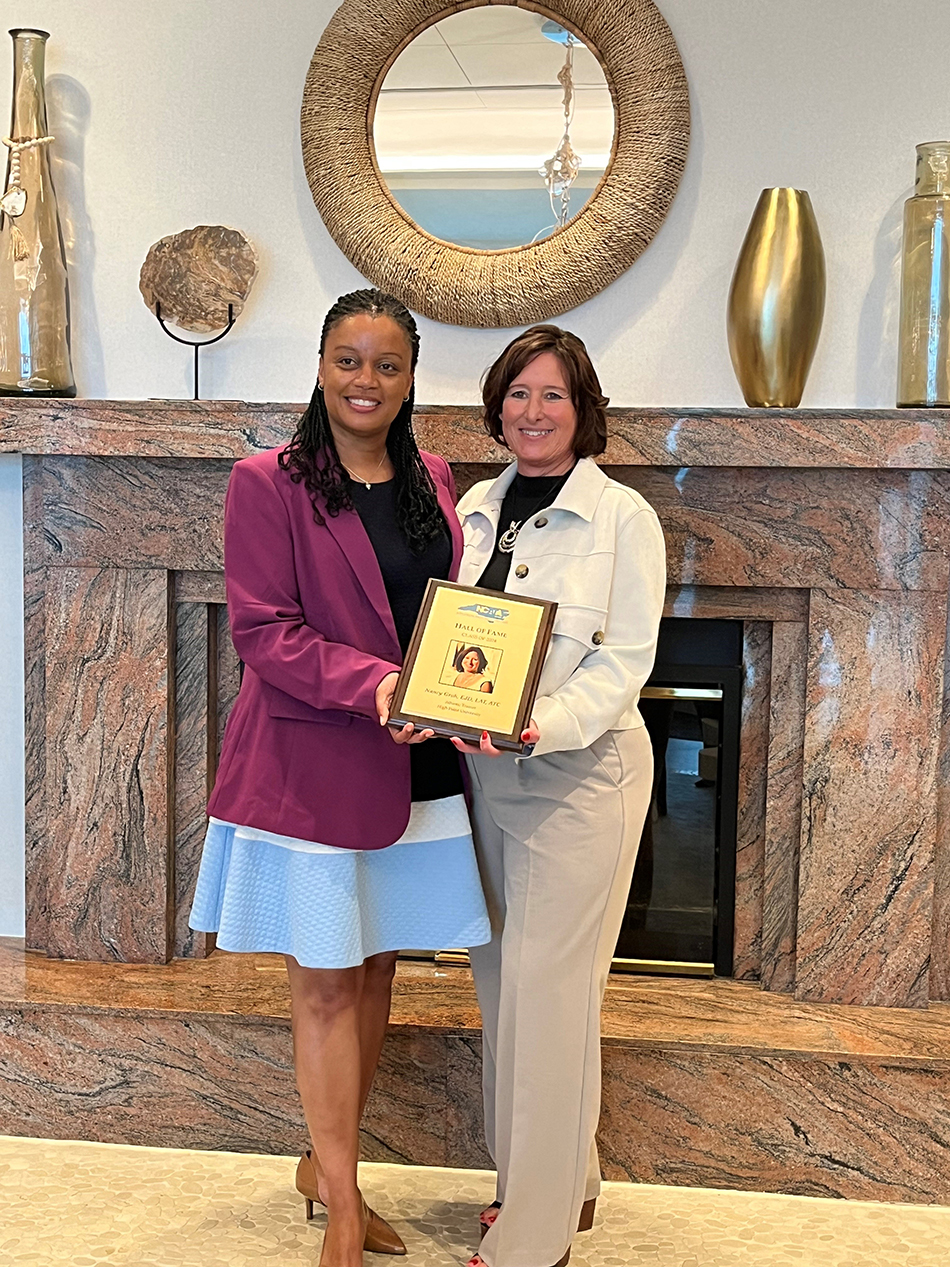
[{"x": 466, "y": 287}]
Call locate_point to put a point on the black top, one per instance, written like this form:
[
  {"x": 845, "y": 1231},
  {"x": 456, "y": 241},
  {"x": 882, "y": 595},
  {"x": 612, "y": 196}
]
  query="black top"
[
  {"x": 435, "y": 763},
  {"x": 526, "y": 496}
]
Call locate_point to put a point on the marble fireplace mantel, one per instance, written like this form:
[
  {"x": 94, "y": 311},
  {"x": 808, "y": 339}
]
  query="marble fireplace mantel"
[
  {"x": 830, "y": 439},
  {"x": 826, "y": 531}
]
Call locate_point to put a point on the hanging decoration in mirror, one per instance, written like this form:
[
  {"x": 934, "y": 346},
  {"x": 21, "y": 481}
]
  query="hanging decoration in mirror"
[
  {"x": 607, "y": 200},
  {"x": 560, "y": 172}
]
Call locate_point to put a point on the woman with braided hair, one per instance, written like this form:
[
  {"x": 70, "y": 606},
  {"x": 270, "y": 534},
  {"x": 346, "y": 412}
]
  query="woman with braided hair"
[{"x": 332, "y": 839}]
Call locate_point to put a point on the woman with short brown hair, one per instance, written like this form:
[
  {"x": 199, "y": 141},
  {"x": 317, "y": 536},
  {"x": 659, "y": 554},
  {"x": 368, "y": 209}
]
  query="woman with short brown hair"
[
  {"x": 557, "y": 828},
  {"x": 590, "y": 438}
]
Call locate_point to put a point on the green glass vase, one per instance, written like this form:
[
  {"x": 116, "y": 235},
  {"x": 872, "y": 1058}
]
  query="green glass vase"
[
  {"x": 34, "y": 297},
  {"x": 923, "y": 376}
]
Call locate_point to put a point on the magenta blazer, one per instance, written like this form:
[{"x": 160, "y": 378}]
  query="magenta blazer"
[{"x": 304, "y": 754}]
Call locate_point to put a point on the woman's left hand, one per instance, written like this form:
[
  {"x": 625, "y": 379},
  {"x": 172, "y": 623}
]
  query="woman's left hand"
[
  {"x": 485, "y": 748},
  {"x": 409, "y": 734}
]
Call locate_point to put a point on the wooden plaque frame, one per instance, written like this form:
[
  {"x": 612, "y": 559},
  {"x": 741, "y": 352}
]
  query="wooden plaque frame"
[{"x": 491, "y": 600}]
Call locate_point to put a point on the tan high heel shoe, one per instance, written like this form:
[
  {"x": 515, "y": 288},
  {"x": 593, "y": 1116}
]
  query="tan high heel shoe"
[{"x": 380, "y": 1237}]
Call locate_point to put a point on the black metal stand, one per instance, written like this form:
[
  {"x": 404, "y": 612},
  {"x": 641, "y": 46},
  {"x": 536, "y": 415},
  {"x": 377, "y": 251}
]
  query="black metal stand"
[{"x": 190, "y": 343}]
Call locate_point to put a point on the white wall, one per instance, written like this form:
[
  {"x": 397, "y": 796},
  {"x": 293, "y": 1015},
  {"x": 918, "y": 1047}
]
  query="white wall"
[{"x": 182, "y": 113}]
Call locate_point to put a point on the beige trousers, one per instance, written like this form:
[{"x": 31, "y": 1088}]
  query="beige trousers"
[{"x": 556, "y": 838}]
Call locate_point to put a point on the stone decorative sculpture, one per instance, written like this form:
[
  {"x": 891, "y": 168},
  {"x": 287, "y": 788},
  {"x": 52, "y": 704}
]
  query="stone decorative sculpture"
[{"x": 196, "y": 274}]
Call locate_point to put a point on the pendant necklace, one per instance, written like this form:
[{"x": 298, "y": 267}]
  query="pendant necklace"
[
  {"x": 361, "y": 478},
  {"x": 506, "y": 542}
]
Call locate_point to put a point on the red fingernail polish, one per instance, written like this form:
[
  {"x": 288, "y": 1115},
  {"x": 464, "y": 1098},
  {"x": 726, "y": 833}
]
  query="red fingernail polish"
[
  {"x": 484, "y": 734},
  {"x": 524, "y": 735}
]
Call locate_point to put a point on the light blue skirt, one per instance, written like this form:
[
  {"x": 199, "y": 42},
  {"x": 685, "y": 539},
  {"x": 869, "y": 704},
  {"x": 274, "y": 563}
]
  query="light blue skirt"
[{"x": 333, "y": 908}]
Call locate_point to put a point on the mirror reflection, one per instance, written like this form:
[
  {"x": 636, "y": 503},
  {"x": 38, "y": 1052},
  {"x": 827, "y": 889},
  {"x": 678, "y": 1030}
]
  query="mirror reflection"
[{"x": 493, "y": 128}]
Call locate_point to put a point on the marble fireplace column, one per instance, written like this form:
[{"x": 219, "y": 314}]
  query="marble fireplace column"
[
  {"x": 784, "y": 804},
  {"x": 207, "y": 679},
  {"x": 873, "y": 705},
  {"x": 108, "y": 893},
  {"x": 130, "y": 675},
  {"x": 940, "y": 959}
]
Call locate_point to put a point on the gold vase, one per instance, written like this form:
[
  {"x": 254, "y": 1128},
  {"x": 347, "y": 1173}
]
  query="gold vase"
[
  {"x": 923, "y": 376},
  {"x": 777, "y": 300},
  {"x": 34, "y": 301}
]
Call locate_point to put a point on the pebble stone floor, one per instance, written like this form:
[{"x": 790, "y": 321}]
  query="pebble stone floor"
[{"x": 85, "y": 1204}]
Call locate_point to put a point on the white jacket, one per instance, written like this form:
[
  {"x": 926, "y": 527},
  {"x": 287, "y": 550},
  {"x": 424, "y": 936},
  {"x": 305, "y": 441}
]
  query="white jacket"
[{"x": 598, "y": 552}]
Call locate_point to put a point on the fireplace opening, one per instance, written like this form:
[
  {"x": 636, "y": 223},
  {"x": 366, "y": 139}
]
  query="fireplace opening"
[
  {"x": 680, "y": 913},
  {"x": 681, "y": 910}
]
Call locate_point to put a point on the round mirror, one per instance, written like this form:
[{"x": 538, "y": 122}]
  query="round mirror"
[
  {"x": 397, "y": 109},
  {"x": 493, "y": 127}
]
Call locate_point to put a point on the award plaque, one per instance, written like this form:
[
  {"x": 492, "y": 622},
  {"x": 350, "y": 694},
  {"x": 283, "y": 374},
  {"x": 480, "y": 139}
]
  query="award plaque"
[{"x": 473, "y": 664}]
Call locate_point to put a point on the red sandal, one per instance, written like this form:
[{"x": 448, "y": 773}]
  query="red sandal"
[
  {"x": 584, "y": 1223},
  {"x": 477, "y": 1261},
  {"x": 488, "y": 1216}
]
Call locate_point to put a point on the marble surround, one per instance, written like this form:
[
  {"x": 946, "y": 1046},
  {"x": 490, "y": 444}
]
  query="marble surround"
[
  {"x": 826, "y": 532},
  {"x": 706, "y": 1083}
]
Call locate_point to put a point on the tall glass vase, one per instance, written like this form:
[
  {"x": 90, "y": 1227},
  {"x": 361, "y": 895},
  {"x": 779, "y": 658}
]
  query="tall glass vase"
[
  {"x": 34, "y": 300},
  {"x": 923, "y": 376}
]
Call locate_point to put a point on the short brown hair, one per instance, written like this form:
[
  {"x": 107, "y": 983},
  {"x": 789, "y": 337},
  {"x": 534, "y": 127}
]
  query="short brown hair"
[{"x": 586, "y": 396}]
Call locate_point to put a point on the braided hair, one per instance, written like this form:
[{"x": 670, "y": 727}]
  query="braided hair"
[{"x": 311, "y": 455}]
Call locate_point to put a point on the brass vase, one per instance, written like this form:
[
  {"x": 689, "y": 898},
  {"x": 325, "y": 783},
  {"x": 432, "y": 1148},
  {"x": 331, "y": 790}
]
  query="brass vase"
[
  {"x": 777, "y": 300},
  {"x": 34, "y": 300},
  {"x": 923, "y": 375}
]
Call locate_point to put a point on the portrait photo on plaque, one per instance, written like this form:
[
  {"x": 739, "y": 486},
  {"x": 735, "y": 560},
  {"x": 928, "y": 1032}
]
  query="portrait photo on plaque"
[
  {"x": 470, "y": 667},
  {"x": 473, "y": 663}
]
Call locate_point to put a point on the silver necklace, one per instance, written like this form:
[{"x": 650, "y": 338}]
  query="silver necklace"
[
  {"x": 506, "y": 542},
  {"x": 362, "y": 478}
]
